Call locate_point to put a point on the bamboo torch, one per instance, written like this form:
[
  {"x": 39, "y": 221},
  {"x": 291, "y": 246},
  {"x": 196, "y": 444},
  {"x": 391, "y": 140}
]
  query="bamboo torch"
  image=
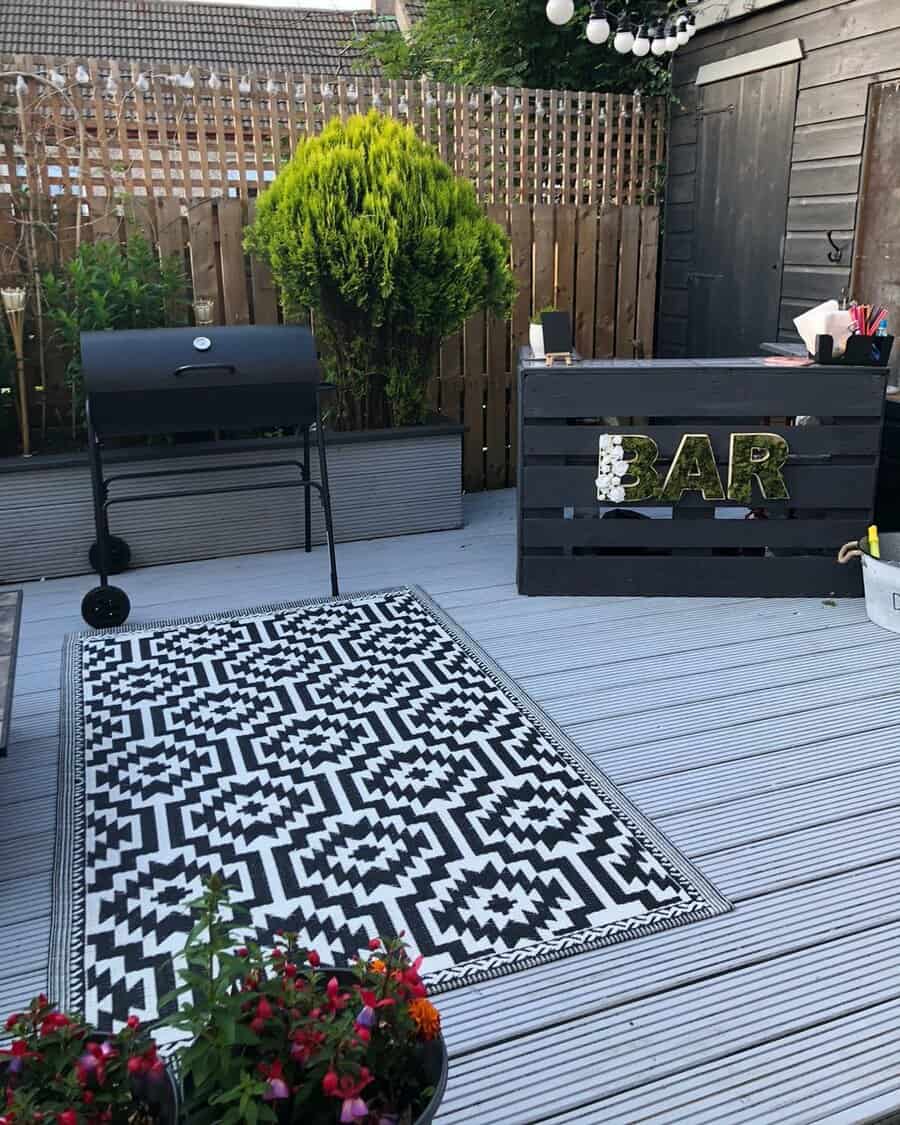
[{"x": 14, "y": 306}]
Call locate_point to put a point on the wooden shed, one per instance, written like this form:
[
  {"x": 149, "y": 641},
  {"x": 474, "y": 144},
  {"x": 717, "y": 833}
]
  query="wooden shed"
[{"x": 784, "y": 170}]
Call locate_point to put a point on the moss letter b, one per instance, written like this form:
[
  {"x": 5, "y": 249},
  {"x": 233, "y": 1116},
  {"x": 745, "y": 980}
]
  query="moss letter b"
[{"x": 642, "y": 482}]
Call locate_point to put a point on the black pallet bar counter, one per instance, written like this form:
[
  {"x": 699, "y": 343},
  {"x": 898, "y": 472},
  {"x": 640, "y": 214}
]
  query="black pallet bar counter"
[{"x": 814, "y": 494}]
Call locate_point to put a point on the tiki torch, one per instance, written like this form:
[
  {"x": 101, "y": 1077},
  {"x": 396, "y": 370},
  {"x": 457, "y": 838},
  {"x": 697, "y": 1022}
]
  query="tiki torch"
[{"x": 14, "y": 306}]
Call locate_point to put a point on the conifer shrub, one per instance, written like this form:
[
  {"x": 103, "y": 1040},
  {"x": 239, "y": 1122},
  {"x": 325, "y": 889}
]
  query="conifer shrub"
[{"x": 369, "y": 229}]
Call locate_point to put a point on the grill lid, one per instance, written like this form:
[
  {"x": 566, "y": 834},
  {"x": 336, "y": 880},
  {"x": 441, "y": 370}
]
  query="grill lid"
[
  {"x": 166, "y": 380},
  {"x": 211, "y": 356}
]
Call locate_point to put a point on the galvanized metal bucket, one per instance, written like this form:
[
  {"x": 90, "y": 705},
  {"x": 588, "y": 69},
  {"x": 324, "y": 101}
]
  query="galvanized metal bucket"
[{"x": 881, "y": 578}]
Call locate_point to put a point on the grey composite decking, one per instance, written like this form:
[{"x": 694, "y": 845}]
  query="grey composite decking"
[{"x": 761, "y": 736}]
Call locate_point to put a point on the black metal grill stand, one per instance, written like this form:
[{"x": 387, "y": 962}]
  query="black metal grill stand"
[{"x": 106, "y": 605}]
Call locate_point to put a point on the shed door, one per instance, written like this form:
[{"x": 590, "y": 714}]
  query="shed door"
[
  {"x": 876, "y": 272},
  {"x": 744, "y": 138}
]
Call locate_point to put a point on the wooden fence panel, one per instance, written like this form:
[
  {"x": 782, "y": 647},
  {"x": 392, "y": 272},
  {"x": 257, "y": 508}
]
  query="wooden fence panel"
[
  {"x": 600, "y": 268},
  {"x": 227, "y": 135}
]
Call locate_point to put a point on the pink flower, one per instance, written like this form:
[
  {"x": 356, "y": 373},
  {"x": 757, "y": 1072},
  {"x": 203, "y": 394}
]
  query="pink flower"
[
  {"x": 276, "y": 1087},
  {"x": 353, "y": 1109},
  {"x": 367, "y": 1017}
]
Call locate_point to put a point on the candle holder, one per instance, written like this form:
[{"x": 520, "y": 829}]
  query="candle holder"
[
  {"x": 203, "y": 310},
  {"x": 14, "y": 307}
]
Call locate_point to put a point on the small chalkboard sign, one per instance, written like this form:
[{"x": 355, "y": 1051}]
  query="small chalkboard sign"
[{"x": 557, "y": 328}]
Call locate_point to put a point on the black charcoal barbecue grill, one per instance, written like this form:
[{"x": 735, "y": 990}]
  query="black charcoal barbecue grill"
[{"x": 179, "y": 380}]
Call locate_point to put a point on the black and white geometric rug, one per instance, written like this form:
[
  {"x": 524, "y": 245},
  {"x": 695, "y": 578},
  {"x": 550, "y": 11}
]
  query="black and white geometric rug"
[{"x": 356, "y": 766}]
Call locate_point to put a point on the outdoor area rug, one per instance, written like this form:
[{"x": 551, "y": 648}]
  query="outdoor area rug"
[{"x": 355, "y": 766}]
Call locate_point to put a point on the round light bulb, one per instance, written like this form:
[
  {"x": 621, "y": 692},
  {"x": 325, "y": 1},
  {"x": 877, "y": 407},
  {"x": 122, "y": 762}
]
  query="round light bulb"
[
  {"x": 598, "y": 30},
  {"x": 671, "y": 39},
  {"x": 560, "y": 11},
  {"x": 682, "y": 34},
  {"x": 692, "y": 27},
  {"x": 658, "y": 47},
  {"x": 623, "y": 42},
  {"x": 641, "y": 44}
]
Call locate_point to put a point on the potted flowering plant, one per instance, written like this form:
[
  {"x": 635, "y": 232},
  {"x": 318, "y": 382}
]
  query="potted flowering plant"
[
  {"x": 278, "y": 1038},
  {"x": 59, "y": 1069}
]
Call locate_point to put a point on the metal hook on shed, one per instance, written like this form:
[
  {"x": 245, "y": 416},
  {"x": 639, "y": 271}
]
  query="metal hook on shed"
[{"x": 836, "y": 252}]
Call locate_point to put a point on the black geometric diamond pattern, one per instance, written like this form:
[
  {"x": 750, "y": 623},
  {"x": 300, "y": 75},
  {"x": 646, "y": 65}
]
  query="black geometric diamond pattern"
[{"x": 355, "y": 766}]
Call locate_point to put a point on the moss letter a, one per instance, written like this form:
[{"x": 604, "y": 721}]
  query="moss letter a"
[
  {"x": 760, "y": 456},
  {"x": 693, "y": 469}
]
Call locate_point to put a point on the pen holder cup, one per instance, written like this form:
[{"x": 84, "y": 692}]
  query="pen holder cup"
[{"x": 869, "y": 351}]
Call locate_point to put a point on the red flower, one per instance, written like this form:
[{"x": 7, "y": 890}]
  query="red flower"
[
  {"x": 67, "y": 1117},
  {"x": 133, "y": 1022},
  {"x": 12, "y": 1020},
  {"x": 264, "y": 1009},
  {"x": 290, "y": 969},
  {"x": 330, "y": 1083},
  {"x": 305, "y": 1042},
  {"x": 314, "y": 959},
  {"x": 19, "y": 1050},
  {"x": 374, "y": 944},
  {"x": 55, "y": 1021},
  {"x": 336, "y": 1000},
  {"x": 242, "y": 952}
]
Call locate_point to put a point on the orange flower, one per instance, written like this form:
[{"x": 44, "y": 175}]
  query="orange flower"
[
  {"x": 426, "y": 1017},
  {"x": 377, "y": 965}
]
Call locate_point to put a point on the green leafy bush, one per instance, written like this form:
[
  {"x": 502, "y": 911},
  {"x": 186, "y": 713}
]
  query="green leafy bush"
[
  {"x": 107, "y": 285},
  {"x": 369, "y": 228}
]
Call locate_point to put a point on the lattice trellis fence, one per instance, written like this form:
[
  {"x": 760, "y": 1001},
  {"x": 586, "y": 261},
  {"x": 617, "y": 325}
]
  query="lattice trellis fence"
[{"x": 93, "y": 128}]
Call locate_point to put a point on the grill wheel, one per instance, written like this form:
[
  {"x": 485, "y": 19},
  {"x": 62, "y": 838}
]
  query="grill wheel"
[
  {"x": 104, "y": 607},
  {"x": 118, "y": 554}
]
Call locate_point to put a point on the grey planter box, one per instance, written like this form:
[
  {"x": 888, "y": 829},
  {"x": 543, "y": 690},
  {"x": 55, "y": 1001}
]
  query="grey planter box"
[{"x": 386, "y": 482}]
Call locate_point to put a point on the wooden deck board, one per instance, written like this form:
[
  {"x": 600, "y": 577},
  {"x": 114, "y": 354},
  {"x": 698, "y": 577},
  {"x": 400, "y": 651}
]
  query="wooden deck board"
[{"x": 761, "y": 736}]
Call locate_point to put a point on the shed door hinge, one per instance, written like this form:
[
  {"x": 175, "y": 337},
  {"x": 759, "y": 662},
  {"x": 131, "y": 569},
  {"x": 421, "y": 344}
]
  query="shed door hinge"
[{"x": 701, "y": 112}]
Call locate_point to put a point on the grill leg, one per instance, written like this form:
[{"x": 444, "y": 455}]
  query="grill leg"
[
  {"x": 326, "y": 504},
  {"x": 100, "y": 521},
  {"x": 307, "y": 514}
]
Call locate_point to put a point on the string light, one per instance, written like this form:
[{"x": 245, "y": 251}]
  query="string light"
[
  {"x": 560, "y": 11},
  {"x": 21, "y": 86},
  {"x": 214, "y": 81},
  {"x": 670, "y": 31},
  {"x": 245, "y": 86},
  {"x": 57, "y": 79},
  {"x": 598, "y": 28},
  {"x": 82, "y": 77},
  {"x": 641, "y": 46},
  {"x": 624, "y": 37}
]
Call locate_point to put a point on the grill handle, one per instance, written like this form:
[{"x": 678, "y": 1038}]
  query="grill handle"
[{"x": 187, "y": 368}]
